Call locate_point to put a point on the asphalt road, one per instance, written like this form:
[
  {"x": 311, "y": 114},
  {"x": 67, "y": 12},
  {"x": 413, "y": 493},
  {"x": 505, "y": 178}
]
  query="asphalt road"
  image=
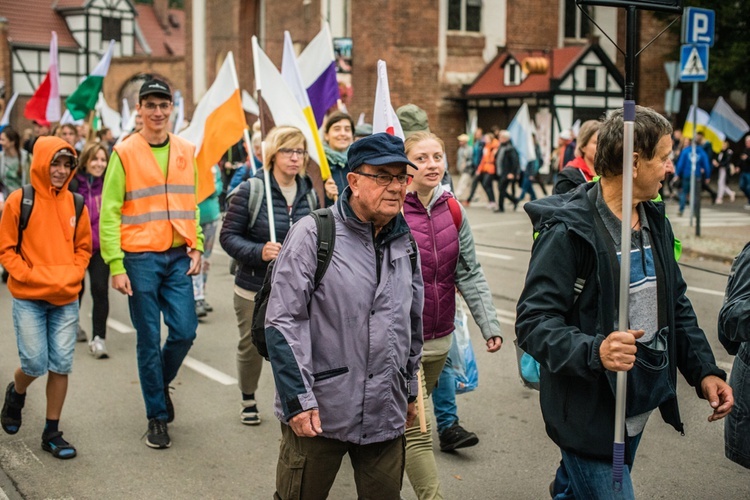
[{"x": 214, "y": 456}]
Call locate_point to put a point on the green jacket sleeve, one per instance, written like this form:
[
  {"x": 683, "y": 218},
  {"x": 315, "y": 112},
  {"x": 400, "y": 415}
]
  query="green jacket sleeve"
[{"x": 113, "y": 196}]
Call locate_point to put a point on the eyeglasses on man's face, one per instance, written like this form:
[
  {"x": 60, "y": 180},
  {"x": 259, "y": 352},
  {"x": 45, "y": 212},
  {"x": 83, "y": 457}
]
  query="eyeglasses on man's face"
[
  {"x": 386, "y": 179},
  {"x": 288, "y": 153},
  {"x": 151, "y": 106}
]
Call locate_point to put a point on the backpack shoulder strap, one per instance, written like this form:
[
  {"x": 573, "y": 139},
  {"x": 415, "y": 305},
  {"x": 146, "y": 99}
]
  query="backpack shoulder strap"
[
  {"x": 455, "y": 210},
  {"x": 78, "y": 202},
  {"x": 326, "y": 241},
  {"x": 414, "y": 253},
  {"x": 312, "y": 200},
  {"x": 255, "y": 200},
  {"x": 27, "y": 204}
]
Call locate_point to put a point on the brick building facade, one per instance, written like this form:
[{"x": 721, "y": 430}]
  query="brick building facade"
[{"x": 431, "y": 57}]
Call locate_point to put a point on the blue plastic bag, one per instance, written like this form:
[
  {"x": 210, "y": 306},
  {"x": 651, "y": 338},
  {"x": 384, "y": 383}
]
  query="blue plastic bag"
[
  {"x": 462, "y": 354},
  {"x": 528, "y": 368}
]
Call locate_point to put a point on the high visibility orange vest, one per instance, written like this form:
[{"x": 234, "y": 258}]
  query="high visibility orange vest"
[{"x": 154, "y": 206}]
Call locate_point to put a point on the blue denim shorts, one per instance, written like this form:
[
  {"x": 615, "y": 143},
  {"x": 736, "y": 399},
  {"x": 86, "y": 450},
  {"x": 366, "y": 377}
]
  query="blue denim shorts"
[{"x": 46, "y": 336}]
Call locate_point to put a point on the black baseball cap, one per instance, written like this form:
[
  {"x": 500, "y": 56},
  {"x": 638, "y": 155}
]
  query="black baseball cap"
[
  {"x": 154, "y": 86},
  {"x": 378, "y": 149}
]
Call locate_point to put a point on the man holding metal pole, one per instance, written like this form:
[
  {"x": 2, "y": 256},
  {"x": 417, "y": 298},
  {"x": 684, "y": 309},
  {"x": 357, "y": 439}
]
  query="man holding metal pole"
[{"x": 567, "y": 315}]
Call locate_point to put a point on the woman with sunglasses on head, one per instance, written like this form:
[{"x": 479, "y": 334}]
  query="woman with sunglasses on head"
[
  {"x": 89, "y": 182},
  {"x": 249, "y": 242},
  {"x": 446, "y": 247}
]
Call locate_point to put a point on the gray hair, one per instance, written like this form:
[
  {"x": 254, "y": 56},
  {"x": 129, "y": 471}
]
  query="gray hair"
[{"x": 648, "y": 130}]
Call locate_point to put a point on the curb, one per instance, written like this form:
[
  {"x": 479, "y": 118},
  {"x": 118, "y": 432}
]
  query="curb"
[
  {"x": 726, "y": 259},
  {"x": 8, "y": 489}
]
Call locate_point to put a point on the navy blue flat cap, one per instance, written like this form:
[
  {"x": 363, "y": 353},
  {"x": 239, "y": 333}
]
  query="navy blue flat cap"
[{"x": 378, "y": 149}]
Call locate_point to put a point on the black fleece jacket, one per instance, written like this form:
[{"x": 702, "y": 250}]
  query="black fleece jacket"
[{"x": 564, "y": 334}]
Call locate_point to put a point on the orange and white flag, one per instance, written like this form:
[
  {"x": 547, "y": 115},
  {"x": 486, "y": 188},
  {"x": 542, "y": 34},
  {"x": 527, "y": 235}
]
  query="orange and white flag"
[{"x": 218, "y": 124}]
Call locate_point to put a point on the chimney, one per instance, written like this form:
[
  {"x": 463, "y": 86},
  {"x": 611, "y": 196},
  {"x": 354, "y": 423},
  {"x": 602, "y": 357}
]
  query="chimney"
[{"x": 161, "y": 10}]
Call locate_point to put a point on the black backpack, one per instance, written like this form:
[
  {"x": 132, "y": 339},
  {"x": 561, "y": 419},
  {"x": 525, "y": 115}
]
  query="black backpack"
[
  {"x": 27, "y": 204},
  {"x": 326, "y": 242}
]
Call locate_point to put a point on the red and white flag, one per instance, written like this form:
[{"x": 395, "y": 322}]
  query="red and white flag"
[
  {"x": 384, "y": 119},
  {"x": 44, "y": 105}
]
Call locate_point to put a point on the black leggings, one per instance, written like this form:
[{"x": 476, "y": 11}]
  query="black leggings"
[
  {"x": 486, "y": 181},
  {"x": 99, "y": 276}
]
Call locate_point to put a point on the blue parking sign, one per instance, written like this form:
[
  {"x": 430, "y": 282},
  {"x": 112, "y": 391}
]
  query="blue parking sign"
[
  {"x": 698, "y": 26},
  {"x": 694, "y": 63}
]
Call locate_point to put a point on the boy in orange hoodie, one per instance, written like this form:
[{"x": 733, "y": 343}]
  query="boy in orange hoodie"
[{"x": 45, "y": 278}]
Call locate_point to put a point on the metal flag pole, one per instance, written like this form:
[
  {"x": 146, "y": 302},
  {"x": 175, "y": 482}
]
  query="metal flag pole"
[{"x": 618, "y": 453}]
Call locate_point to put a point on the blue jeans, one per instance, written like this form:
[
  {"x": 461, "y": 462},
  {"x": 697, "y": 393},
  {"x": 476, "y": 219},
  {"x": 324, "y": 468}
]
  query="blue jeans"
[
  {"x": 579, "y": 477},
  {"x": 46, "y": 336},
  {"x": 160, "y": 286},
  {"x": 527, "y": 187},
  {"x": 444, "y": 398}
]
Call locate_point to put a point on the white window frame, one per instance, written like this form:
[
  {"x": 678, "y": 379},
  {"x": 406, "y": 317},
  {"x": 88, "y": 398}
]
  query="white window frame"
[
  {"x": 464, "y": 5},
  {"x": 579, "y": 18}
]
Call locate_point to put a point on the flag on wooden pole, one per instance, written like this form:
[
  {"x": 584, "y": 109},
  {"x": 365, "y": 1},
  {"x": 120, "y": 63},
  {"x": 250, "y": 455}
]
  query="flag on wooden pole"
[{"x": 218, "y": 123}]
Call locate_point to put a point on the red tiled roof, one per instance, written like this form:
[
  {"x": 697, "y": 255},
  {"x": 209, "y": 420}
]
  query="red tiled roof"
[
  {"x": 162, "y": 42},
  {"x": 66, "y": 4},
  {"x": 489, "y": 83},
  {"x": 34, "y": 29}
]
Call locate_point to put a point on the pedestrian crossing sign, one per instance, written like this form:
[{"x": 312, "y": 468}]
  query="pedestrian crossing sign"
[{"x": 694, "y": 63}]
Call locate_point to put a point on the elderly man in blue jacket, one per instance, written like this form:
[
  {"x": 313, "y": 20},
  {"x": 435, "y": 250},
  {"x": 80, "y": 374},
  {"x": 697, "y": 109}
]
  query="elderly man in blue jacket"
[{"x": 345, "y": 354}]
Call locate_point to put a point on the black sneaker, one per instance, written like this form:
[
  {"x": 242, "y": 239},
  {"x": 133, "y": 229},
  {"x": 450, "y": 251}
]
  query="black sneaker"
[
  {"x": 208, "y": 307},
  {"x": 157, "y": 434},
  {"x": 10, "y": 417},
  {"x": 170, "y": 406},
  {"x": 455, "y": 437}
]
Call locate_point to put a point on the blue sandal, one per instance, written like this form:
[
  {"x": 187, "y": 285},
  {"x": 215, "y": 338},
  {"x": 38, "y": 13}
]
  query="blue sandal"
[{"x": 55, "y": 444}]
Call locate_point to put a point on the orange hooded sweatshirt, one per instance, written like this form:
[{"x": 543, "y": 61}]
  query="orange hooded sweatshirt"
[{"x": 53, "y": 260}]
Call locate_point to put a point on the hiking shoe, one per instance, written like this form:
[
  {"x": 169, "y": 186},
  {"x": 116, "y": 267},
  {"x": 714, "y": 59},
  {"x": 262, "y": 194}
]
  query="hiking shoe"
[
  {"x": 455, "y": 437},
  {"x": 208, "y": 307},
  {"x": 170, "y": 406},
  {"x": 157, "y": 434},
  {"x": 249, "y": 414},
  {"x": 55, "y": 444},
  {"x": 200, "y": 309},
  {"x": 81, "y": 335},
  {"x": 10, "y": 417},
  {"x": 97, "y": 348}
]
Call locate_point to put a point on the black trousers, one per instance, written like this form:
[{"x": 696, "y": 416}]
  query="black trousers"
[{"x": 99, "y": 277}]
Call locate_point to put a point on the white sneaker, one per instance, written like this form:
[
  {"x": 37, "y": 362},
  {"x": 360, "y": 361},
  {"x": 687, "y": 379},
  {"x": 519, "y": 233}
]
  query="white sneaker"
[{"x": 97, "y": 348}]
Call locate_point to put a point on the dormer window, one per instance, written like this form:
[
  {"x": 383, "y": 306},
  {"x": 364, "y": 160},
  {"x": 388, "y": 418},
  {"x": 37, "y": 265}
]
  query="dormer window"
[
  {"x": 112, "y": 29},
  {"x": 512, "y": 74}
]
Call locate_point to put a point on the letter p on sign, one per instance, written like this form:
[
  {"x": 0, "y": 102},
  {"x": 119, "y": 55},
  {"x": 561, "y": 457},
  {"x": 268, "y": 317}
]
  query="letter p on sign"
[{"x": 698, "y": 26}]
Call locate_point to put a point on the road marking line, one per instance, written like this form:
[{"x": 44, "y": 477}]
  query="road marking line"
[
  {"x": 703, "y": 290},
  {"x": 219, "y": 251},
  {"x": 3, "y": 496},
  {"x": 208, "y": 371},
  {"x": 724, "y": 365},
  {"x": 119, "y": 327},
  {"x": 31, "y": 453},
  {"x": 474, "y": 227},
  {"x": 507, "y": 321},
  {"x": 495, "y": 255},
  {"x": 509, "y": 314}
]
